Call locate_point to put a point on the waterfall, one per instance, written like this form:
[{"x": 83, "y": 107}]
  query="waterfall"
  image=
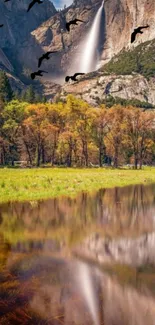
[{"x": 90, "y": 58}]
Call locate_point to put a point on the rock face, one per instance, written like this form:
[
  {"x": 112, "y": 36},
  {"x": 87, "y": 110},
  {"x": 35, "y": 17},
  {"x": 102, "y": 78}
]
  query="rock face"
[
  {"x": 96, "y": 89},
  {"x": 135, "y": 252}
]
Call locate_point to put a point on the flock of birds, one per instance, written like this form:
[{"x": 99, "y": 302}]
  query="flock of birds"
[{"x": 46, "y": 56}]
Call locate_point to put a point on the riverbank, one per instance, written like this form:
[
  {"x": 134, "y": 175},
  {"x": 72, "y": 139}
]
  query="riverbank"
[{"x": 41, "y": 183}]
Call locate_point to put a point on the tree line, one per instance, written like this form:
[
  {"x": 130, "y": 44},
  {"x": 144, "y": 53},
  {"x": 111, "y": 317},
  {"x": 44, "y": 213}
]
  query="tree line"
[{"x": 72, "y": 133}]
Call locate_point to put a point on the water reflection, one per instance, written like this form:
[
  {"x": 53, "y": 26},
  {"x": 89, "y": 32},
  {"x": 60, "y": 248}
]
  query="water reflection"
[
  {"x": 118, "y": 211},
  {"x": 40, "y": 289},
  {"x": 41, "y": 282}
]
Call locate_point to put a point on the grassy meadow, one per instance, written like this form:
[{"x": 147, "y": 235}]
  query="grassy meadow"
[{"x": 42, "y": 183}]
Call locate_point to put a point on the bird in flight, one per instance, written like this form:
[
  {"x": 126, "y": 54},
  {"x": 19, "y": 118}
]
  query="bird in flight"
[
  {"x": 1, "y": 25},
  {"x": 45, "y": 56},
  {"x": 72, "y": 22},
  {"x": 6, "y": 0},
  {"x": 33, "y": 3},
  {"x": 37, "y": 73},
  {"x": 137, "y": 31},
  {"x": 73, "y": 78}
]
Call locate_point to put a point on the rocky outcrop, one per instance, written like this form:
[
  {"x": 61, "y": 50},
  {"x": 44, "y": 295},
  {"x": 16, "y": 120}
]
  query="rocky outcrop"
[
  {"x": 132, "y": 251},
  {"x": 48, "y": 88},
  {"x": 95, "y": 89}
]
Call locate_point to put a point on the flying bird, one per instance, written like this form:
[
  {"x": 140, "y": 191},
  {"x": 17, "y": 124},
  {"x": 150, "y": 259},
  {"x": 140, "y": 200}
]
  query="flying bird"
[
  {"x": 72, "y": 22},
  {"x": 37, "y": 73},
  {"x": 6, "y": 0},
  {"x": 1, "y": 25},
  {"x": 137, "y": 31},
  {"x": 45, "y": 56},
  {"x": 33, "y": 3},
  {"x": 73, "y": 78}
]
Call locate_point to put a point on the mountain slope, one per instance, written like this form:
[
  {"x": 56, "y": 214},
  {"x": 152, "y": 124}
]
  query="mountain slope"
[
  {"x": 27, "y": 35},
  {"x": 129, "y": 75}
]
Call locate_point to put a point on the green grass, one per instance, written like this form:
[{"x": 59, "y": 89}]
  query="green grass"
[{"x": 35, "y": 184}]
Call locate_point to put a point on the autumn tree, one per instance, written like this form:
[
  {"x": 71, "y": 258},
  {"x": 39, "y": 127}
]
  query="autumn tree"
[
  {"x": 82, "y": 116},
  {"x": 116, "y": 132},
  {"x": 100, "y": 125},
  {"x": 139, "y": 128},
  {"x": 56, "y": 116},
  {"x": 38, "y": 128}
]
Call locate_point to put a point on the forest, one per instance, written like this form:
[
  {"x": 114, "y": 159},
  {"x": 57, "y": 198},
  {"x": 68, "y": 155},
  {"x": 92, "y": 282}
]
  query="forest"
[{"x": 71, "y": 133}]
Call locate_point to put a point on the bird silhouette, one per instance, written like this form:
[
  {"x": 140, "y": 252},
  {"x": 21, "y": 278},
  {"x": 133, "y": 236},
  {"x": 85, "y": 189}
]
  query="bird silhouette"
[
  {"x": 73, "y": 78},
  {"x": 6, "y": 0},
  {"x": 37, "y": 73},
  {"x": 33, "y": 3},
  {"x": 72, "y": 22},
  {"x": 1, "y": 25},
  {"x": 45, "y": 56},
  {"x": 137, "y": 31}
]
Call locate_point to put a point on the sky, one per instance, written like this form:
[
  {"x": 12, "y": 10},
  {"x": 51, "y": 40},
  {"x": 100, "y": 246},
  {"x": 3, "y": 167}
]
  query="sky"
[{"x": 61, "y": 3}]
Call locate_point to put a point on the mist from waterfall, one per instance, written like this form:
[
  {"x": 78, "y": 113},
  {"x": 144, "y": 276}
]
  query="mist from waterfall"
[{"x": 90, "y": 57}]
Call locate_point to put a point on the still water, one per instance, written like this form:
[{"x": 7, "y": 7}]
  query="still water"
[{"x": 42, "y": 281}]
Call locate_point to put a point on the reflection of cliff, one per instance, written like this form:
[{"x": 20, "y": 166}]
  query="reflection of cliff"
[
  {"x": 43, "y": 290},
  {"x": 128, "y": 210},
  {"x": 131, "y": 251}
]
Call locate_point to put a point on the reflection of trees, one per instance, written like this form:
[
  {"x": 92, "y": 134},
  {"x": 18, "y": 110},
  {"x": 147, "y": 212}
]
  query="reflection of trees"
[
  {"x": 131, "y": 206},
  {"x": 121, "y": 209},
  {"x": 5, "y": 249}
]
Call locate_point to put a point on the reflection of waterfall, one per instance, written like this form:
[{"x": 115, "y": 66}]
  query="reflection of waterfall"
[
  {"x": 88, "y": 290},
  {"x": 90, "y": 56}
]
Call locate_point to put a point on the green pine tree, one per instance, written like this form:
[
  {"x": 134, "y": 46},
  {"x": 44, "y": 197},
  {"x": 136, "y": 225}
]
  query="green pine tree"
[
  {"x": 30, "y": 95},
  {"x": 6, "y": 93},
  {"x": 44, "y": 99},
  {"x": 38, "y": 98}
]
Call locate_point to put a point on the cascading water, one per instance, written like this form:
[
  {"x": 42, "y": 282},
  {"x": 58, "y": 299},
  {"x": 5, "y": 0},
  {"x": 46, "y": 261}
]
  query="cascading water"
[{"x": 90, "y": 58}]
